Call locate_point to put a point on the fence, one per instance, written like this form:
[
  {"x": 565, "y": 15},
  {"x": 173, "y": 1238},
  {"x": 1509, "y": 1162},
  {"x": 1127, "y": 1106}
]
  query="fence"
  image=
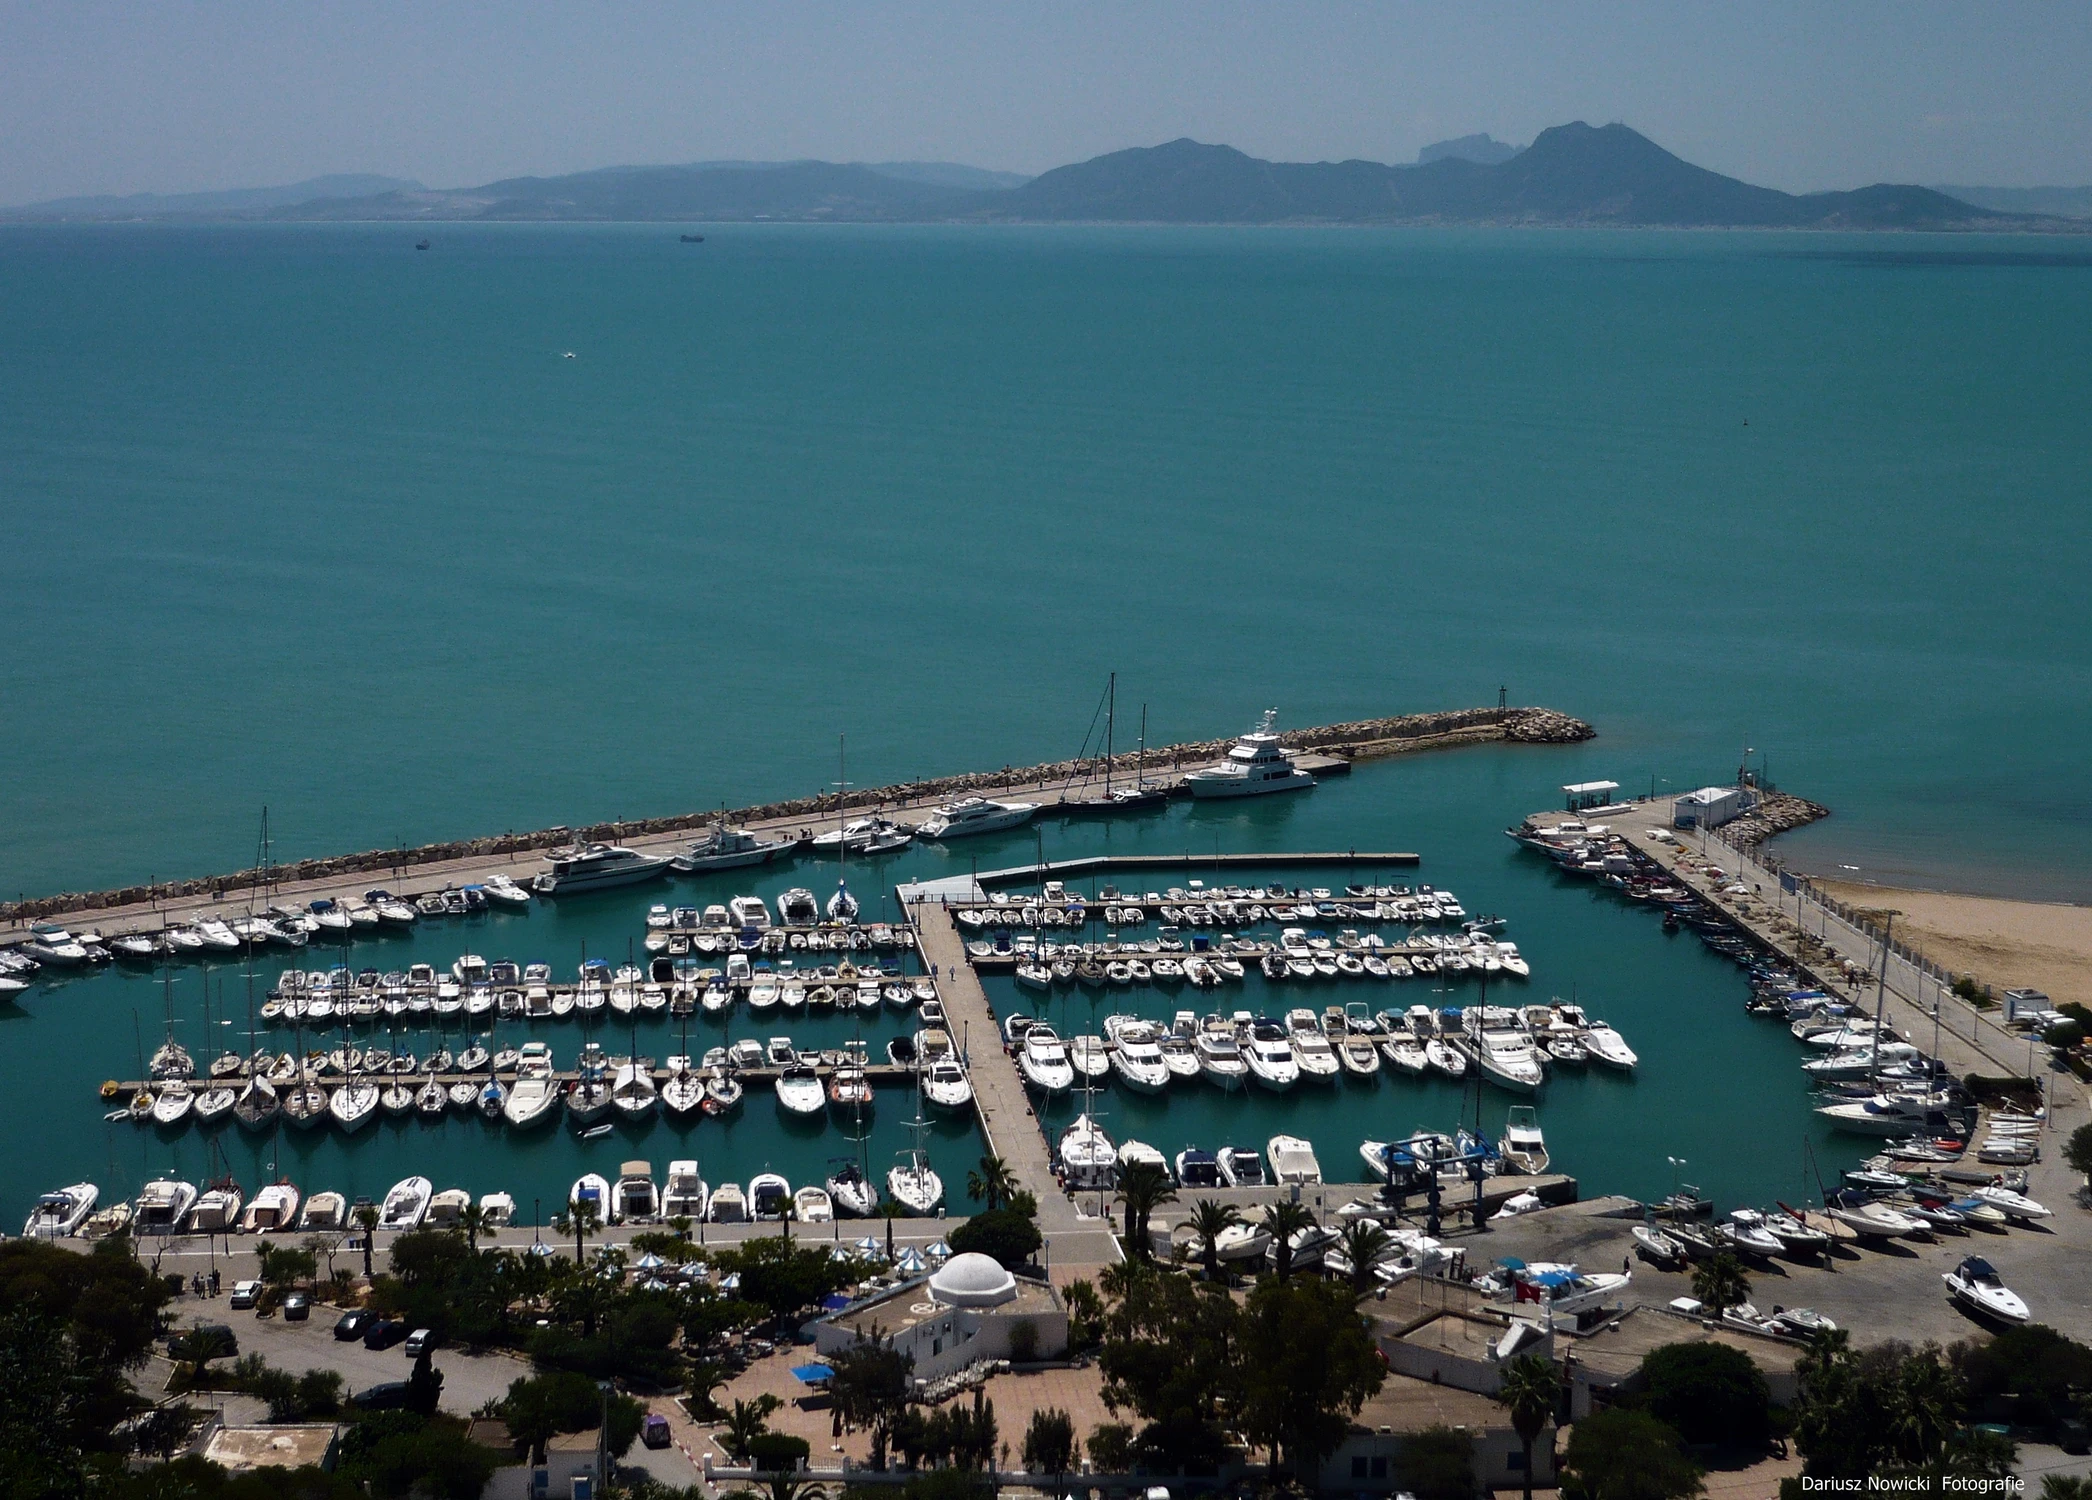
[{"x": 1910, "y": 976}]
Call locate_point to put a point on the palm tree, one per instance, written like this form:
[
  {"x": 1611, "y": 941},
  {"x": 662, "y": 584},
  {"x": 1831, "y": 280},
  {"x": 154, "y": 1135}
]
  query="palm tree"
[
  {"x": 1529, "y": 1390},
  {"x": 1925, "y": 1409},
  {"x": 1286, "y": 1219},
  {"x": 367, "y": 1221},
  {"x": 1210, "y": 1221},
  {"x": 473, "y": 1223},
  {"x": 679, "y": 1226},
  {"x": 1720, "y": 1283},
  {"x": 580, "y": 1220},
  {"x": 993, "y": 1183},
  {"x": 1363, "y": 1243},
  {"x": 1144, "y": 1186},
  {"x": 748, "y": 1421}
]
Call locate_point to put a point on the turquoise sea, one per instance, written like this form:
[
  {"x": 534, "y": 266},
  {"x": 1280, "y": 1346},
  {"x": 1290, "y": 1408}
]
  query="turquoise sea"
[{"x": 305, "y": 518}]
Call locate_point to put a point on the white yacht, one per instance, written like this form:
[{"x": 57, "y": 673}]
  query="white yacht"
[
  {"x": 1044, "y": 1061},
  {"x": 873, "y": 835},
  {"x": 58, "y": 1214},
  {"x": 724, "y": 848},
  {"x": 1524, "y": 1148},
  {"x": 1269, "y": 1054},
  {"x": 749, "y": 912},
  {"x": 799, "y": 1090},
  {"x": 729, "y": 1205},
  {"x": 975, "y": 815},
  {"x": 912, "y": 1184},
  {"x": 635, "y": 1199},
  {"x": 1137, "y": 1057},
  {"x": 407, "y": 1204},
  {"x": 1292, "y": 1160},
  {"x": 1220, "y": 1055},
  {"x": 685, "y": 1196},
  {"x": 1975, "y": 1283},
  {"x": 798, "y": 908},
  {"x": 1254, "y": 766},
  {"x": 1507, "y": 1058},
  {"x": 1087, "y": 1154},
  {"x": 595, "y": 867},
  {"x": 945, "y": 1085},
  {"x": 1607, "y": 1046},
  {"x": 535, "y": 1095}
]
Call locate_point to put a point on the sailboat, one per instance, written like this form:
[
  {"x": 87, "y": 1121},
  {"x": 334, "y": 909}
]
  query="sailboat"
[
  {"x": 842, "y": 906},
  {"x": 910, "y": 1182},
  {"x": 1135, "y": 796}
]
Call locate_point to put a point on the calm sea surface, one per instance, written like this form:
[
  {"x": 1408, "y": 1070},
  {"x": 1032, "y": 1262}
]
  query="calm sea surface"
[{"x": 302, "y": 517}]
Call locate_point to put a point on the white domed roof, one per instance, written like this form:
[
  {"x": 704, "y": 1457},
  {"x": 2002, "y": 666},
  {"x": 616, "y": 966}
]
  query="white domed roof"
[{"x": 973, "y": 1280}]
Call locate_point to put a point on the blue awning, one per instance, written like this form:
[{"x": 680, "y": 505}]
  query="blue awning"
[
  {"x": 809, "y": 1374},
  {"x": 834, "y": 1302}
]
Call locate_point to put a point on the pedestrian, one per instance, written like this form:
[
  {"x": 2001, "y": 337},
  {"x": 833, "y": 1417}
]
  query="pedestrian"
[{"x": 214, "y": 1281}]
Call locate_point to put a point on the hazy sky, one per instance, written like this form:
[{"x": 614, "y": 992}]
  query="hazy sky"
[{"x": 141, "y": 96}]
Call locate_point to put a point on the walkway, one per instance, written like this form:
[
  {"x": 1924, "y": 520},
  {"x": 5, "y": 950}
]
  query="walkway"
[{"x": 1004, "y": 1108}]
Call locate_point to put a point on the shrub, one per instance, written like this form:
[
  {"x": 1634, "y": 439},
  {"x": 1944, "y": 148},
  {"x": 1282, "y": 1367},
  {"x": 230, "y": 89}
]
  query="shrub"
[
  {"x": 1007, "y": 1235},
  {"x": 1709, "y": 1392}
]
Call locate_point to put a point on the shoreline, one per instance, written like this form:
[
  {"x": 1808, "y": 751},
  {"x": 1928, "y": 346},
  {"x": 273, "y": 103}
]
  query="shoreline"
[
  {"x": 1999, "y": 941},
  {"x": 1353, "y": 740}
]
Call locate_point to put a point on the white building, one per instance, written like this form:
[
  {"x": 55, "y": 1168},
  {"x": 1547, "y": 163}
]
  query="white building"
[
  {"x": 965, "y": 1312},
  {"x": 1711, "y": 806}
]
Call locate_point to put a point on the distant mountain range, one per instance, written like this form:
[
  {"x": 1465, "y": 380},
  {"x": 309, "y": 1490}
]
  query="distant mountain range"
[
  {"x": 233, "y": 203},
  {"x": 2065, "y": 202},
  {"x": 1572, "y": 174}
]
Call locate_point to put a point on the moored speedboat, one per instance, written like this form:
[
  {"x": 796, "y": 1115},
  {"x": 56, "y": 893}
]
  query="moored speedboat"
[
  {"x": 1292, "y": 1160},
  {"x": 685, "y": 1195},
  {"x": 635, "y": 1200},
  {"x": 769, "y": 1196},
  {"x": 272, "y": 1210},
  {"x": 61, "y": 1213},
  {"x": 406, "y": 1205},
  {"x": 162, "y": 1206}
]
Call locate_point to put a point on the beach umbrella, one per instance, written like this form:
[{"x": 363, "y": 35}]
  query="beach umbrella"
[
  {"x": 910, "y": 1261},
  {"x": 653, "y": 1284},
  {"x": 541, "y": 1248},
  {"x": 867, "y": 1246},
  {"x": 648, "y": 1262},
  {"x": 732, "y": 1283},
  {"x": 840, "y": 1252},
  {"x": 692, "y": 1270},
  {"x": 939, "y": 1251}
]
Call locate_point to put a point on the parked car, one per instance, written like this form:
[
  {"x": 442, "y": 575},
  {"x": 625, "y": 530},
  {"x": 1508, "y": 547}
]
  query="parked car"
[
  {"x": 654, "y": 1430},
  {"x": 383, "y": 1334},
  {"x": 421, "y": 1341},
  {"x": 244, "y": 1295},
  {"x": 354, "y": 1325},
  {"x": 297, "y": 1307},
  {"x": 390, "y": 1396}
]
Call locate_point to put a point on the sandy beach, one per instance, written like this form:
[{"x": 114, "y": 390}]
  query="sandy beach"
[{"x": 2005, "y": 944}]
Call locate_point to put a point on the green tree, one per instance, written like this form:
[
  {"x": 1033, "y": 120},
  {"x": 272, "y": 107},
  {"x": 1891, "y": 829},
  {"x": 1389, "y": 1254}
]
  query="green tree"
[
  {"x": 1437, "y": 1463},
  {"x": 474, "y": 1222},
  {"x": 1622, "y": 1454},
  {"x": 1709, "y": 1392},
  {"x": 1529, "y": 1391},
  {"x": 782, "y": 1277},
  {"x": 747, "y": 1421},
  {"x": 398, "y": 1452},
  {"x": 71, "y": 1326},
  {"x": 1111, "y": 1447},
  {"x": 367, "y": 1217},
  {"x": 1144, "y": 1186},
  {"x": 1286, "y": 1219},
  {"x": 1307, "y": 1364},
  {"x": 2077, "y": 1151},
  {"x": 2032, "y": 1375},
  {"x": 1008, "y": 1236},
  {"x": 991, "y": 1183},
  {"x": 581, "y": 1220},
  {"x": 1363, "y": 1243},
  {"x": 1720, "y": 1283},
  {"x": 1168, "y": 1356},
  {"x": 1209, "y": 1221},
  {"x": 2066, "y": 1487},
  {"x": 870, "y": 1389},
  {"x": 1049, "y": 1444}
]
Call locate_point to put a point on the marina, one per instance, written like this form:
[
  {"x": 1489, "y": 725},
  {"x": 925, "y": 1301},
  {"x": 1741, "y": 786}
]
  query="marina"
[{"x": 1466, "y": 1076}]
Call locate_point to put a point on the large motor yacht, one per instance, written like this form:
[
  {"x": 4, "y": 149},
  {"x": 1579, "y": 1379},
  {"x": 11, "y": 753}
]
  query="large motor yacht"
[
  {"x": 595, "y": 867},
  {"x": 1255, "y": 765},
  {"x": 724, "y": 848},
  {"x": 975, "y": 815}
]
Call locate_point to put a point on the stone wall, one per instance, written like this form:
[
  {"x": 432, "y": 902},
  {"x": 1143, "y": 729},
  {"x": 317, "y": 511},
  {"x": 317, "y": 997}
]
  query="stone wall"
[{"x": 1360, "y": 739}]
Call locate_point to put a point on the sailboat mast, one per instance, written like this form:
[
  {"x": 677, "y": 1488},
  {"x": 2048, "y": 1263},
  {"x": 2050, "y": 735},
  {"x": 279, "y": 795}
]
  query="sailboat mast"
[
  {"x": 1140, "y": 766},
  {"x": 1111, "y": 713}
]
